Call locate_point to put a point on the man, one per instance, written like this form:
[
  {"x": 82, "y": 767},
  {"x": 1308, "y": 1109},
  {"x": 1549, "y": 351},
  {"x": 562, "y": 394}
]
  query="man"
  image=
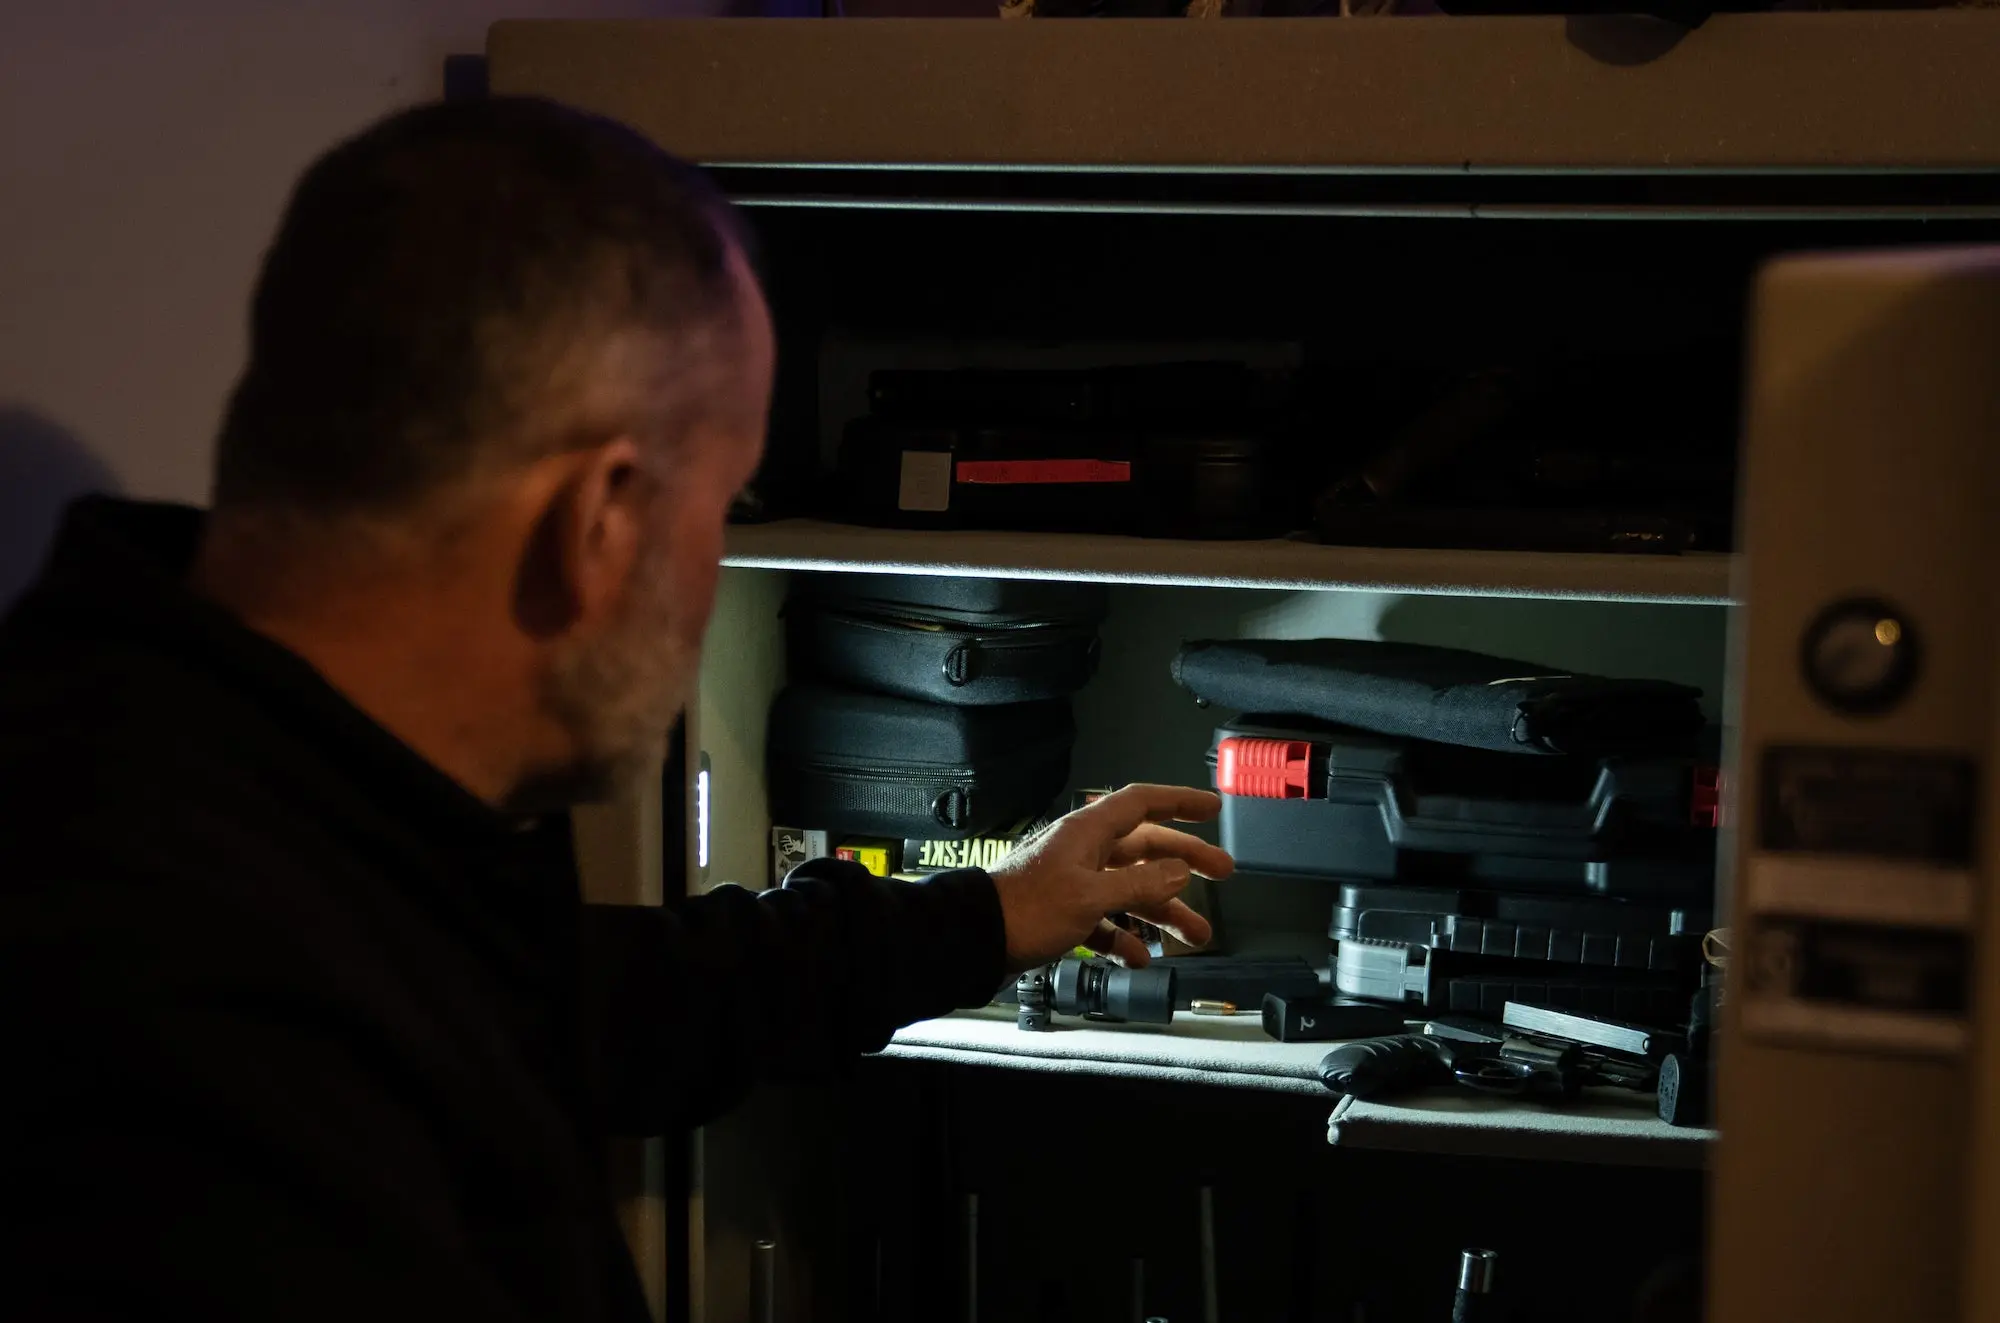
[{"x": 302, "y": 1017}]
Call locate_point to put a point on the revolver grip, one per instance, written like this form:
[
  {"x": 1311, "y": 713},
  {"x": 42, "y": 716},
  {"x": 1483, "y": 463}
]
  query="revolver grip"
[{"x": 1382, "y": 1067}]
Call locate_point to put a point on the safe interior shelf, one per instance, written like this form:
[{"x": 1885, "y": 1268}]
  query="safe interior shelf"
[
  {"x": 801, "y": 544},
  {"x": 1605, "y": 1127}
]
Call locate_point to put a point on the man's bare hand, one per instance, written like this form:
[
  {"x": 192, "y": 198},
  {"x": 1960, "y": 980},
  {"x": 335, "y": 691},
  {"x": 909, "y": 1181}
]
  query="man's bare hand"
[{"x": 1110, "y": 857}]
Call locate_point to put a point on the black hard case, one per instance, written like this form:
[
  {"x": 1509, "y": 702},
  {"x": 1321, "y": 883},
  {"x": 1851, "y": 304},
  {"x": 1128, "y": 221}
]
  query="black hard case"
[
  {"x": 1557, "y": 930},
  {"x": 1448, "y": 983},
  {"x": 1382, "y": 808},
  {"x": 1445, "y": 695},
  {"x": 873, "y": 765},
  {"x": 968, "y": 642},
  {"x": 1156, "y": 394},
  {"x": 1646, "y": 1000}
]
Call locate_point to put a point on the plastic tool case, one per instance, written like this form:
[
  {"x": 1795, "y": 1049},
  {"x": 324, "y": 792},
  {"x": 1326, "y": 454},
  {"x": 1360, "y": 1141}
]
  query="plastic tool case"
[
  {"x": 1327, "y": 802},
  {"x": 1557, "y": 930},
  {"x": 1441, "y": 981}
]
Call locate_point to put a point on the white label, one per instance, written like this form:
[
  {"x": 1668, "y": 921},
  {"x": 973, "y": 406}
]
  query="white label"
[
  {"x": 926, "y": 481},
  {"x": 1859, "y": 1028},
  {"x": 1854, "y": 890},
  {"x": 1860, "y": 987}
]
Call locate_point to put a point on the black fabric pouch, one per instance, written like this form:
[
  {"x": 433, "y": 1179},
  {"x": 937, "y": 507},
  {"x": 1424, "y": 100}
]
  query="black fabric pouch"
[
  {"x": 967, "y": 642},
  {"x": 874, "y": 765},
  {"x": 1442, "y": 694}
]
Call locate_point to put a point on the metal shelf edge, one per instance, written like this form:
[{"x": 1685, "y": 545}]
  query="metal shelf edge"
[{"x": 1695, "y": 580}]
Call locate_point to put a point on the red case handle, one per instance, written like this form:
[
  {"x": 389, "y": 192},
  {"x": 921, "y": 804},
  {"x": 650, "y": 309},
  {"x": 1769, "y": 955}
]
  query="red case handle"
[
  {"x": 1263, "y": 768},
  {"x": 1705, "y": 799}
]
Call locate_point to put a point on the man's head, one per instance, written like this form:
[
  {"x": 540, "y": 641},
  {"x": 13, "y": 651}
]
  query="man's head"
[{"x": 508, "y": 367}]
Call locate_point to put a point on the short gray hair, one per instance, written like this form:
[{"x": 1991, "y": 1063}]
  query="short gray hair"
[{"x": 472, "y": 284}]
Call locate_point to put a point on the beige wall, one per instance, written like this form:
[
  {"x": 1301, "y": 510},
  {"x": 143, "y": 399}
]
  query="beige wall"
[{"x": 146, "y": 147}]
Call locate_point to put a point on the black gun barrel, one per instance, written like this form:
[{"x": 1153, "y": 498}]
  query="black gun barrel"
[{"x": 1112, "y": 992}]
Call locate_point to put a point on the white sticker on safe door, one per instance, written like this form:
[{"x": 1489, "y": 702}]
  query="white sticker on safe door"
[
  {"x": 1857, "y": 890},
  {"x": 926, "y": 481},
  {"x": 1856, "y": 987}
]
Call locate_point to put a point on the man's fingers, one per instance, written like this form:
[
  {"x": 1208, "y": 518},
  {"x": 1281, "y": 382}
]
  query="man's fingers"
[
  {"x": 1177, "y": 918},
  {"x": 1150, "y": 840},
  {"x": 1122, "y": 811},
  {"x": 1143, "y": 886},
  {"x": 1048, "y": 879},
  {"x": 1124, "y": 947}
]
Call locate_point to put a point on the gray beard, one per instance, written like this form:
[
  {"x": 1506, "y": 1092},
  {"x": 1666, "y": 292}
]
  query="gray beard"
[{"x": 618, "y": 698}]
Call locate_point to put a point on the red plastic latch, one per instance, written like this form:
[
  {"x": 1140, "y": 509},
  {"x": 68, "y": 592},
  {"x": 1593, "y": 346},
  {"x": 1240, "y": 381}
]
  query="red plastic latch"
[
  {"x": 1263, "y": 768},
  {"x": 1705, "y": 799}
]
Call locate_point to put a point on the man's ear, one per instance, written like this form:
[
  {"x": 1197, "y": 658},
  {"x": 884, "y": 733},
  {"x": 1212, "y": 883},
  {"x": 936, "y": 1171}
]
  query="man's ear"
[{"x": 586, "y": 540}]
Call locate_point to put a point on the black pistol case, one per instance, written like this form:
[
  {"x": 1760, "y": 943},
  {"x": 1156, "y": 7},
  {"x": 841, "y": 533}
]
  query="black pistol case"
[
  {"x": 1556, "y": 930},
  {"x": 1442, "y": 982},
  {"x": 1322, "y": 801}
]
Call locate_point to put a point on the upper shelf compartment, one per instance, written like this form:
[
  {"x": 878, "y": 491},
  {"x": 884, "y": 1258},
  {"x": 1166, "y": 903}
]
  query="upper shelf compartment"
[
  {"x": 800, "y": 544},
  {"x": 1829, "y": 93}
]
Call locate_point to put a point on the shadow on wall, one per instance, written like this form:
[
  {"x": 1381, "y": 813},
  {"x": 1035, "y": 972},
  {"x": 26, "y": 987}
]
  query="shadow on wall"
[{"x": 42, "y": 469}]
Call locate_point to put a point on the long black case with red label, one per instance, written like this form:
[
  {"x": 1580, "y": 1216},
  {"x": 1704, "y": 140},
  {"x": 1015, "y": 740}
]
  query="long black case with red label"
[
  {"x": 1562, "y": 930},
  {"x": 873, "y": 765},
  {"x": 1210, "y": 483},
  {"x": 967, "y": 642},
  {"x": 1328, "y": 802}
]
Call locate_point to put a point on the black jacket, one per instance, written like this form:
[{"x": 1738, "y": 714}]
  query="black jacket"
[{"x": 293, "y": 1027}]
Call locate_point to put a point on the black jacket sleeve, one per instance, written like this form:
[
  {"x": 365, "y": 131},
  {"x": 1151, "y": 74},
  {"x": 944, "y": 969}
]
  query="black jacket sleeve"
[
  {"x": 692, "y": 1004},
  {"x": 201, "y": 1125}
]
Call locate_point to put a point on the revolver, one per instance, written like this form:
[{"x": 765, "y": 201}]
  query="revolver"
[{"x": 1505, "y": 1059}]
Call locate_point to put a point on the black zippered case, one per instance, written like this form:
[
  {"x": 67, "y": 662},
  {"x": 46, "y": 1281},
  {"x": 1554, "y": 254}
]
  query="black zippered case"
[
  {"x": 1445, "y": 695},
  {"x": 874, "y": 765},
  {"x": 1589, "y": 931},
  {"x": 969, "y": 642},
  {"x": 1320, "y": 801}
]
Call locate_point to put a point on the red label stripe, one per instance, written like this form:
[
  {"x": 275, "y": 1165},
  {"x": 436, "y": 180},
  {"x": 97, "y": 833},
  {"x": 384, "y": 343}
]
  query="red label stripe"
[{"x": 1021, "y": 472}]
